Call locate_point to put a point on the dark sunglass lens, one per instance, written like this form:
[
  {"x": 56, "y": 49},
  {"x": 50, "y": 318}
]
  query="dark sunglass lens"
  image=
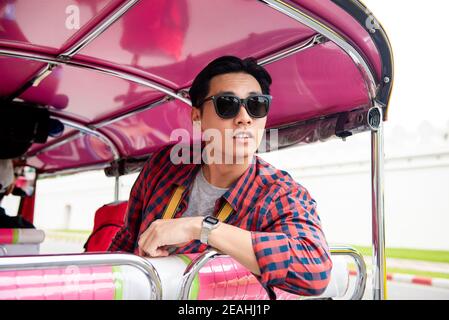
[
  {"x": 258, "y": 106},
  {"x": 227, "y": 106}
]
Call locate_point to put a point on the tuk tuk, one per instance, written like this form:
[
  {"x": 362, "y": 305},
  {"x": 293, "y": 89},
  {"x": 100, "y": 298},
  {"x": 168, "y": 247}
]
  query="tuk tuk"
[{"x": 101, "y": 84}]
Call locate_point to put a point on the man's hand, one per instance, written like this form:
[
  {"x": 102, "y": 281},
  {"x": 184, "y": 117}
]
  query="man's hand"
[{"x": 164, "y": 233}]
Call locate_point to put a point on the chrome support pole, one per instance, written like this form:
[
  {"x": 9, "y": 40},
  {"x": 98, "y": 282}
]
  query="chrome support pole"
[
  {"x": 307, "y": 44},
  {"x": 375, "y": 121},
  {"x": 86, "y": 259},
  {"x": 54, "y": 145},
  {"x": 42, "y": 74},
  {"x": 99, "y": 29},
  {"x": 21, "y": 54},
  {"x": 84, "y": 129},
  {"x": 150, "y": 106},
  {"x": 117, "y": 188},
  {"x": 73, "y": 170}
]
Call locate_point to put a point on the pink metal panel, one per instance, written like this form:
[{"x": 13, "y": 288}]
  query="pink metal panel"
[
  {"x": 15, "y": 72},
  {"x": 300, "y": 92},
  {"x": 223, "y": 278},
  {"x": 87, "y": 150},
  {"x": 88, "y": 95},
  {"x": 69, "y": 283},
  {"x": 49, "y": 24},
  {"x": 147, "y": 131},
  {"x": 334, "y": 16},
  {"x": 36, "y": 146},
  {"x": 174, "y": 40}
]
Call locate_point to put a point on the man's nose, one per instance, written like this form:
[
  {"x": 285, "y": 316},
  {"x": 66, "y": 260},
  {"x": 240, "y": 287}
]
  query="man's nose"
[{"x": 243, "y": 117}]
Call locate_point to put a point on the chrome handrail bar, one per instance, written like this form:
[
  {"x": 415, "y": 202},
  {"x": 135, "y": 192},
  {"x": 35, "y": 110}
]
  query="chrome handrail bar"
[
  {"x": 360, "y": 284},
  {"x": 5, "y": 251},
  {"x": 196, "y": 264},
  {"x": 192, "y": 270}
]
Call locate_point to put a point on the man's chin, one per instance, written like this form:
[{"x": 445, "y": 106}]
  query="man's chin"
[{"x": 242, "y": 155}]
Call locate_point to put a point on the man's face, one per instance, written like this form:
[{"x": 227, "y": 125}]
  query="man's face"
[{"x": 231, "y": 146}]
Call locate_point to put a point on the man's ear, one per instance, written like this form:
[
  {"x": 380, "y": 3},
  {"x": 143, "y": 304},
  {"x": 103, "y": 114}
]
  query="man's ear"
[{"x": 195, "y": 114}]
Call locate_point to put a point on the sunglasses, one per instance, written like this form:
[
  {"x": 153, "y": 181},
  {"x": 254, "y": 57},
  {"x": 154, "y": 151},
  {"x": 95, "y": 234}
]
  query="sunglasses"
[{"x": 228, "y": 106}]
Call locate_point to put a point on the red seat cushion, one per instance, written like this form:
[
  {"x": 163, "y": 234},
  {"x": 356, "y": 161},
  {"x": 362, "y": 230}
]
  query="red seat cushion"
[{"x": 108, "y": 221}]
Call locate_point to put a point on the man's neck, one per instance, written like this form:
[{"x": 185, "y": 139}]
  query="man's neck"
[{"x": 224, "y": 175}]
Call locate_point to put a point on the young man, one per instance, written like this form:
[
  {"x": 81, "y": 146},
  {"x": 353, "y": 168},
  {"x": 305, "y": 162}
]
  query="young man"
[{"x": 273, "y": 229}]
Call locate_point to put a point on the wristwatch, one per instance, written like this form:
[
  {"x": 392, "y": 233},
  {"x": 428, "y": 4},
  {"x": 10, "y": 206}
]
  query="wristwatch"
[{"x": 209, "y": 224}]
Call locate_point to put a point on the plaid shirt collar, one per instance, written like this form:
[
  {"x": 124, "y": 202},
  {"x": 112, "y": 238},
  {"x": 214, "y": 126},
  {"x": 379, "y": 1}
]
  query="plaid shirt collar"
[{"x": 236, "y": 191}]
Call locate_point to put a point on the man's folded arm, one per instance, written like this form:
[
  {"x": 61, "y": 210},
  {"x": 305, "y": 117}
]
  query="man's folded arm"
[{"x": 292, "y": 253}]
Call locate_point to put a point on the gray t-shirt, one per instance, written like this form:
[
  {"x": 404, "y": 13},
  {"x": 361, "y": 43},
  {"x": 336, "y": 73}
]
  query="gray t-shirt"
[{"x": 202, "y": 197}]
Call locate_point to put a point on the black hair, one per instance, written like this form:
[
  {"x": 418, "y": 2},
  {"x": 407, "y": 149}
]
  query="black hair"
[{"x": 227, "y": 64}]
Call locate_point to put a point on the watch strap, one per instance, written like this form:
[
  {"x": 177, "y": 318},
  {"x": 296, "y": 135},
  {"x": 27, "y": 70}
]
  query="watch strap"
[{"x": 206, "y": 228}]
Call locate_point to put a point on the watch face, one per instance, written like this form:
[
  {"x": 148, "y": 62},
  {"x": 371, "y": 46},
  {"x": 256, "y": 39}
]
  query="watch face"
[{"x": 211, "y": 220}]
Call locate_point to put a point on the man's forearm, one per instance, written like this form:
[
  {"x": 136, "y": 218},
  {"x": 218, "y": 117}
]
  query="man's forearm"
[{"x": 235, "y": 242}]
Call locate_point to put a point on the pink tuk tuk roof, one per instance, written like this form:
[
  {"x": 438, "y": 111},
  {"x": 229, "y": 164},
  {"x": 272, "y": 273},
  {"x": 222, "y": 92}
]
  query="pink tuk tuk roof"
[{"x": 117, "y": 76}]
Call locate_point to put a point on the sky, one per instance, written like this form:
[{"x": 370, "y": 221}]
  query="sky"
[{"x": 417, "y": 31}]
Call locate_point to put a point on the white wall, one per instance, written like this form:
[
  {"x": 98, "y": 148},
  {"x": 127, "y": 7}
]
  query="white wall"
[
  {"x": 337, "y": 174},
  {"x": 416, "y": 205},
  {"x": 83, "y": 192}
]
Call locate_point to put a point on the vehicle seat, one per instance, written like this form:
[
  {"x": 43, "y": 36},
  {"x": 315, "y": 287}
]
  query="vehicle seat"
[{"x": 108, "y": 221}]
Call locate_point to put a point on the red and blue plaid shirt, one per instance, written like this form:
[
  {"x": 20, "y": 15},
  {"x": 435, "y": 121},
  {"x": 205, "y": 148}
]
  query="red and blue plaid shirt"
[{"x": 287, "y": 238}]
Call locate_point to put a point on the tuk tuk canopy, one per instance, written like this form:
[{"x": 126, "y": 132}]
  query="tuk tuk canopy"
[{"x": 117, "y": 72}]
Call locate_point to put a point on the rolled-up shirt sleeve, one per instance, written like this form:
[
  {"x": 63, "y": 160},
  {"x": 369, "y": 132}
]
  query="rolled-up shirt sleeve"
[{"x": 292, "y": 252}]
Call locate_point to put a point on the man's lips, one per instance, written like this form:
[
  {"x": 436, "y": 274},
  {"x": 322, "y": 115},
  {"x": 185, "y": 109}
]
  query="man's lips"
[{"x": 242, "y": 135}]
